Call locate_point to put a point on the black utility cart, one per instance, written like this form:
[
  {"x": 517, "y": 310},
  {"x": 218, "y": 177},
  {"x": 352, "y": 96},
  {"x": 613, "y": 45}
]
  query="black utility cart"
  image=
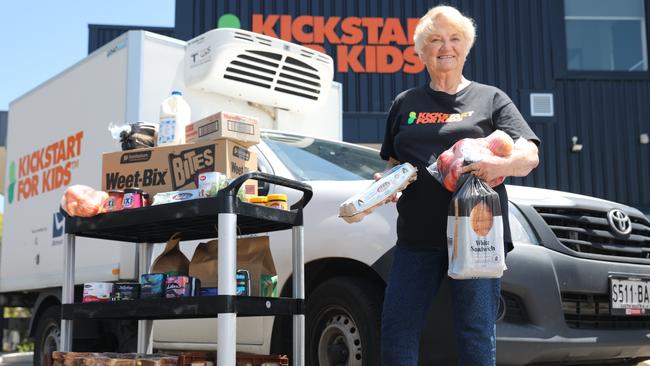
[{"x": 225, "y": 217}]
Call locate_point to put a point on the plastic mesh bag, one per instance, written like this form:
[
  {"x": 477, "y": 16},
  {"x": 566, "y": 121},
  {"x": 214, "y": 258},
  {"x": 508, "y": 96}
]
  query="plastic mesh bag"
[
  {"x": 475, "y": 231},
  {"x": 83, "y": 201},
  {"x": 446, "y": 168}
]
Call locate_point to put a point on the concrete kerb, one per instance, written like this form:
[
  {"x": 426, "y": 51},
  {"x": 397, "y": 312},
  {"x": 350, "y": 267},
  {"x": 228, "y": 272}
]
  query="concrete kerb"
[{"x": 19, "y": 357}]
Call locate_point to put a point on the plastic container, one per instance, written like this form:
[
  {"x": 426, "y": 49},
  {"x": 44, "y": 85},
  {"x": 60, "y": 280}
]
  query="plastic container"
[
  {"x": 132, "y": 198},
  {"x": 114, "y": 202},
  {"x": 258, "y": 200},
  {"x": 278, "y": 200},
  {"x": 174, "y": 116}
]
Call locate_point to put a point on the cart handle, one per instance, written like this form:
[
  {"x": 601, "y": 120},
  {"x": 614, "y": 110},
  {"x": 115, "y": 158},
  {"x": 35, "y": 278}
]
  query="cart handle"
[{"x": 307, "y": 193}]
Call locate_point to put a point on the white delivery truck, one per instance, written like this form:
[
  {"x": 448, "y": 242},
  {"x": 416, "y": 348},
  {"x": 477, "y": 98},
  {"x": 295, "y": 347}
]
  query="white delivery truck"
[{"x": 58, "y": 131}]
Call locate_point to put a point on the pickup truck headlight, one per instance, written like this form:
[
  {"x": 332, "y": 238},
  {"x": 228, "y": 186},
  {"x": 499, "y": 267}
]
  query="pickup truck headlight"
[{"x": 520, "y": 229}]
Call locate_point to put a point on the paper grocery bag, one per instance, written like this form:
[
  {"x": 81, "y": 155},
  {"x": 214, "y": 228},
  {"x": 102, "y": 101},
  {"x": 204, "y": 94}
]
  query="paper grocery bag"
[
  {"x": 253, "y": 255},
  {"x": 171, "y": 259}
]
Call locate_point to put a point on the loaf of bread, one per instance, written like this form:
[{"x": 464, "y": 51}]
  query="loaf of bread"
[{"x": 355, "y": 208}]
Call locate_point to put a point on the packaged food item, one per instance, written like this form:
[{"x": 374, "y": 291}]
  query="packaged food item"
[
  {"x": 243, "y": 129},
  {"x": 181, "y": 286},
  {"x": 175, "y": 196},
  {"x": 277, "y": 200},
  {"x": 355, "y": 208},
  {"x": 152, "y": 285},
  {"x": 114, "y": 202},
  {"x": 447, "y": 167},
  {"x": 125, "y": 291},
  {"x": 210, "y": 183},
  {"x": 208, "y": 291},
  {"x": 269, "y": 285},
  {"x": 146, "y": 199},
  {"x": 83, "y": 201},
  {"x": 97, "y": 291},
  {"x": 174, "y": 116},
  {"x": 475, "y": 231},
  {"x": 243, "y": 283},
  {"x": 132, "y": 198},
  {"x": 258, "y": 200},
  {"x": 176, "y": 167}
]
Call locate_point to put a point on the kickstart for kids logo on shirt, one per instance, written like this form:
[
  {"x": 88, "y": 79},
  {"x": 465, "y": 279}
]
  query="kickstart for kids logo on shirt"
[{"x": 436, "y": 117}]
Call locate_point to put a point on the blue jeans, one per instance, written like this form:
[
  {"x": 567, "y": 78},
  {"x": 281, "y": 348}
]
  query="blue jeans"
[{"x": 414, "y": 280}]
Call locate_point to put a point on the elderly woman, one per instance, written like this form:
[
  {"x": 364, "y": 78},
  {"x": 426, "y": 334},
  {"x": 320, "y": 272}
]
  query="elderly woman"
[{"x": 418, "y": 129}]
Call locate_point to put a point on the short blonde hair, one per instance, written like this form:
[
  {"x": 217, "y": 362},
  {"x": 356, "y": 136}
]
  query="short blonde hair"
[{"x": 427, "y": 25}]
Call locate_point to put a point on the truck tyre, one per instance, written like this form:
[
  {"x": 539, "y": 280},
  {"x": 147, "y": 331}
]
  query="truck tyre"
[
  {"x": 48, "y": 334},
  {"x": 343, "y": 318}
]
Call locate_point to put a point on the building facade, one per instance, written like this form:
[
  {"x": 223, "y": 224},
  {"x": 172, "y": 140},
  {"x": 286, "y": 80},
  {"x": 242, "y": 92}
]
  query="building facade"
[{"x": 577, "y": 70}]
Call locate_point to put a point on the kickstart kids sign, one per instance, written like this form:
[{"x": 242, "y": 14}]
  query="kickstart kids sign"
[
  {"x": 359, "y": 44},
  {"x": 44, "y": 169}
]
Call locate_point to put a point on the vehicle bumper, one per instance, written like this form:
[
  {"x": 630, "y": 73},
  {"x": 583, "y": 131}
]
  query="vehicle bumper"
[{"x": 538, "y": 277}]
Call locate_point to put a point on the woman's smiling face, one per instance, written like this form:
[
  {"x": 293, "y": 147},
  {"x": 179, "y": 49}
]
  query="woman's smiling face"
[{"x": 445, "y": 49}]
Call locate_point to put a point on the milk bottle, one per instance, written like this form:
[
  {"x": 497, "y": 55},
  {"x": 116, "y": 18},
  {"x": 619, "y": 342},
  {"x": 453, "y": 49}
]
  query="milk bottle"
[{"x": 174, "y": 116}]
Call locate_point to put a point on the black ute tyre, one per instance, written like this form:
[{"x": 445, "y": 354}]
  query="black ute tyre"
[
  {"x": 48, "y": 334},
  {"x": 343, "y": 322}
]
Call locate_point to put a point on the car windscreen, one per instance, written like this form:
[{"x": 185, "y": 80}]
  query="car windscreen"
[{"x": 314, "y": 159}]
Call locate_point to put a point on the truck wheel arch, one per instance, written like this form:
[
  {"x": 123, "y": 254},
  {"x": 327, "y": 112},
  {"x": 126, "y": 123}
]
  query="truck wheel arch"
[
  {"x": 317, "y": 272},
  {"x": 46, "y": 298}
]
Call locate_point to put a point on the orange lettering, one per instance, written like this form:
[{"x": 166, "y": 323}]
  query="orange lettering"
[
  {"x": 393, "y": 32},
  {"x": 389, "y": 59},
  {"x": 371, "y": 58},
  {"x": 265, "y": 26},
  {"x": 298, "y": 29},
  {"x": 412, "y": 63},
  {"x": 351, "y": 58},
  {"x": 327, "y": 29},
  {"x": 373, "y": 25},
  {"x": 352, "y": 33},
  {"x": 285, "y": 28}
]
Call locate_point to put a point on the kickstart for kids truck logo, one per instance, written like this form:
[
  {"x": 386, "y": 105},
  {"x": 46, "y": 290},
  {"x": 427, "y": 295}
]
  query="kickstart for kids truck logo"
[
  {"x": 44, "y": 169},
  {"x": 359, "y": 44}
]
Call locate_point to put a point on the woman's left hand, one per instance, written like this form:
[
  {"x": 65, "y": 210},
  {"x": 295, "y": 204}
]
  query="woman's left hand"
[{"x": 488, "y": 169}]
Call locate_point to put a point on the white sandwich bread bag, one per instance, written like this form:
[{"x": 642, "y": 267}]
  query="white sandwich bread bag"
[{"x": 475, "y": 231}]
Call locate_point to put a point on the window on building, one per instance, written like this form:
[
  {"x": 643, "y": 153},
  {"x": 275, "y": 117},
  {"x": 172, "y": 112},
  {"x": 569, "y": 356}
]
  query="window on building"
[{"x": 606, "y": 35}]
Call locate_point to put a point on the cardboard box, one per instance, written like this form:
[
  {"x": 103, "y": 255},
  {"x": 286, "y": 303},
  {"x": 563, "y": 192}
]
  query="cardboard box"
[
  {"x": 243, "y": 129},
  {"x": 175, "y": 168}
]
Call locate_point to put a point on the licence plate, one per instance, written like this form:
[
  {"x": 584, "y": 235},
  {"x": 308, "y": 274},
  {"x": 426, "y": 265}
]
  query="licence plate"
[{"x": 629, "y": 295}]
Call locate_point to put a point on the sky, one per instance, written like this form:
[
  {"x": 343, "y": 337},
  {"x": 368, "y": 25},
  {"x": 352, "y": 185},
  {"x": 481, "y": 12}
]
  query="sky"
[{"x": 39, "y": 39}]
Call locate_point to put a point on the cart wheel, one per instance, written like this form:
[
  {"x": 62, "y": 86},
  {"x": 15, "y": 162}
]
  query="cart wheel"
[
  {"x": 48, "y": 334},
  {"x": 343, "y": 322}
]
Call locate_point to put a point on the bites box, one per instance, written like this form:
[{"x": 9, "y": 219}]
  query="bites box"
[{"x": 176, "y": 167}]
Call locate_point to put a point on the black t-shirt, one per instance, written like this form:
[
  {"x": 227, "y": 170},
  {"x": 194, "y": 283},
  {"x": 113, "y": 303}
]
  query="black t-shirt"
[{"x": 422, "y": 123}]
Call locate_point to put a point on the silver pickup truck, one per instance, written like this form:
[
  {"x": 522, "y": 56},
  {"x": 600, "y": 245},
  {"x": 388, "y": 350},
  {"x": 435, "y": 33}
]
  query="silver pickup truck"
[{"x": 576, "y": 288}]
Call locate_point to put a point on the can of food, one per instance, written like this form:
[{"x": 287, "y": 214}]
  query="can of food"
[
  {"x": 278, "y": 200},
  {"x": 114, "y": 202},
  {"x": 258, "y": 200},
  {"x": 146, "y": 200},
  {"x": 132, "y": 198}
]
